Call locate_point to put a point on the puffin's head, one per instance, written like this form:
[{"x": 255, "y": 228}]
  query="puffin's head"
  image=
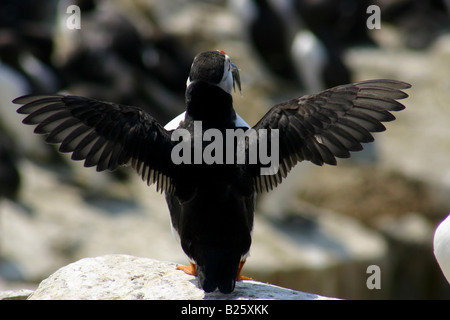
[{"x": 216, "y": 68}]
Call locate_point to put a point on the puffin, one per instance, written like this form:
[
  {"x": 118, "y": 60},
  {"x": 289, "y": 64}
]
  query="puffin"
[{"x": 212, "y": 203}]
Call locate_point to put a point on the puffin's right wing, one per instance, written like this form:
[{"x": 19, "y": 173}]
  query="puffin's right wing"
[{"x": 330, "y": 124}]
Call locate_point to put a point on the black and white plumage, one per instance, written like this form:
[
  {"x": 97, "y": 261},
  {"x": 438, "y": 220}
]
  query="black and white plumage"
[
  {"x": 212, "y": 205},
  {"x": 441, "y": 246}
]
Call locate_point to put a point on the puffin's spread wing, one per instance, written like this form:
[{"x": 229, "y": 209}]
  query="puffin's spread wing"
[
  {"x": 330, "y": 124},
  {"x": 103, "y": 134}
]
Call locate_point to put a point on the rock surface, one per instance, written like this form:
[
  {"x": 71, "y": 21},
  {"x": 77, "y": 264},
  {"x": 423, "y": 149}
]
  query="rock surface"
[
  {"x": 20, "y": 294},
  {"x": 124, "y": 277}
]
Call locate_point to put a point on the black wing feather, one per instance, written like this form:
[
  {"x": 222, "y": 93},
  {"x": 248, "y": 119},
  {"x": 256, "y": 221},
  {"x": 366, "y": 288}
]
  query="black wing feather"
[
  {"x": 103, "y": 134},
  {"x": 329, "y": 125}
]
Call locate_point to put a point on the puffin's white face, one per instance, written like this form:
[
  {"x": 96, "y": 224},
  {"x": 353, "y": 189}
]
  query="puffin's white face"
[{"x": 215, "y": 67}]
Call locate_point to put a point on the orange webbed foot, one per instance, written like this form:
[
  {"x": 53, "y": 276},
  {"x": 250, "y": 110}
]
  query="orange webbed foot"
[
  {"x": 239, "y": 276},
  {"x": 190, "y": 270}
]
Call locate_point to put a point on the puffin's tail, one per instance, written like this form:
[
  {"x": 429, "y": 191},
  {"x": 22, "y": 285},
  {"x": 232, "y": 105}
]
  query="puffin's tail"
[{"x": 219, "y": 271}]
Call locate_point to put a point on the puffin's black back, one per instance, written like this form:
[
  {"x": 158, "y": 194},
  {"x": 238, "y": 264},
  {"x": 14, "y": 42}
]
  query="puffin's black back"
[
  {"x": 213, "y": 204},
  {"x": 212, "y": 211}
]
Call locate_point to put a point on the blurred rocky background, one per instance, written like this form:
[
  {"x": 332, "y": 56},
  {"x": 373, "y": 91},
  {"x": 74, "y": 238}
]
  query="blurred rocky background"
[{"x": 324, "y": 226}]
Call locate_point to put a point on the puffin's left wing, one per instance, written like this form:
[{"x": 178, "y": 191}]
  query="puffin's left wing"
[
  {"x": 330, "y": 124},
  {"x": 103, "y": 134}
]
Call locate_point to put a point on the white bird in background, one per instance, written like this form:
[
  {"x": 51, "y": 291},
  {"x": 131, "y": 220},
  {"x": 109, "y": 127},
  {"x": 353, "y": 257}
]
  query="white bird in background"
[{"x": 441, "y": 246}]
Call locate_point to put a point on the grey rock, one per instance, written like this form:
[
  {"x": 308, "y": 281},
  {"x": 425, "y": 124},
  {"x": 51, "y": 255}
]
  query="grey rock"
[
  {"x": 20, "y": 294},
  {"x": 125, "y": 277}
]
